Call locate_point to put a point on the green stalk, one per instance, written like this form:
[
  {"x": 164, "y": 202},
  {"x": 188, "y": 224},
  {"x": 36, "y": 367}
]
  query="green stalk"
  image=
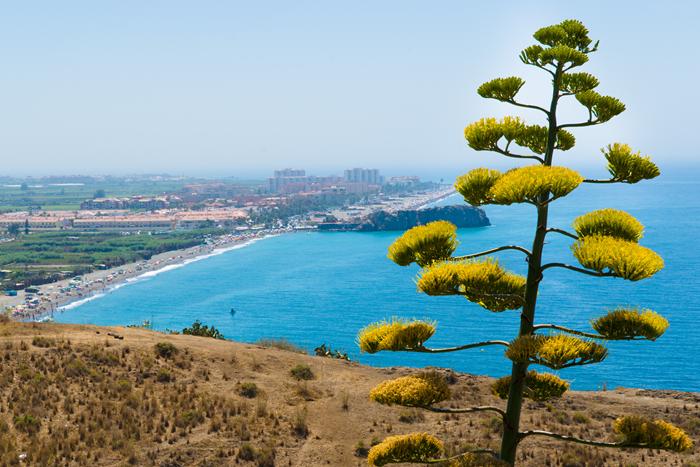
[{"x": 511, "y": 422}]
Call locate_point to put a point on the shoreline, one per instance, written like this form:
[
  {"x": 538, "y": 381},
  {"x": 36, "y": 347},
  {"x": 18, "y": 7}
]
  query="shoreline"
[{"x": 70, "y": 293}]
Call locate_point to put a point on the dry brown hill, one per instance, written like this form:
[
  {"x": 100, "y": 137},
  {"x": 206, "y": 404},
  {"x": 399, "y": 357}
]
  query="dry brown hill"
[{"x": 77, "y": 395}]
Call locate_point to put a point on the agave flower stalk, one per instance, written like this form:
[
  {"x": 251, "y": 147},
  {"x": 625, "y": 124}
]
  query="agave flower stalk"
[{"x": 606, "y": 244}]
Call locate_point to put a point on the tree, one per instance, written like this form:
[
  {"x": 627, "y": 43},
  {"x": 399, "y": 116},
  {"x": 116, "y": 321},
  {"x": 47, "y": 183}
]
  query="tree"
[
  {"x": 26, "y": 226},
  {"x": 13, "y": 229},
  {"x": 99, "y": 194},
  {"x": 605, "y": 243}
]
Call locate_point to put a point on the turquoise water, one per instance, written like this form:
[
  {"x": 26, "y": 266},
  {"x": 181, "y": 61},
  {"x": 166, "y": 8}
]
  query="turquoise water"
[{"x": 314, "y": 288}]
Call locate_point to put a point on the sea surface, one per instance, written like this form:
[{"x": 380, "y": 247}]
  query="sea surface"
[{"x": 314, "y": 288}]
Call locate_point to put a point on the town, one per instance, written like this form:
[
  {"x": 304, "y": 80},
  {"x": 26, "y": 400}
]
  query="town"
[
  {"x": 59, "y": 228},
  {"x": 290, "y": 195}
]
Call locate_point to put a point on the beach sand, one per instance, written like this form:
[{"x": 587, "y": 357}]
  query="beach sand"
[{"x": 59, "y": 294}]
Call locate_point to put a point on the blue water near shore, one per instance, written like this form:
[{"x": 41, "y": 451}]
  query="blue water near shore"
[{"x": 314, "y": 288}]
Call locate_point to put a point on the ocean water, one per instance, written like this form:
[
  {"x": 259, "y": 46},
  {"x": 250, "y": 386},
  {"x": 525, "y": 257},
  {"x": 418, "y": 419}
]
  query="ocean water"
[{"x": 314, "y": 288}]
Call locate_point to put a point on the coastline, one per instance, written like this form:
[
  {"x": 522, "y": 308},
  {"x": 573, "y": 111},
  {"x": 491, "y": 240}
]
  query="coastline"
[{"x": 70, "y": 293}]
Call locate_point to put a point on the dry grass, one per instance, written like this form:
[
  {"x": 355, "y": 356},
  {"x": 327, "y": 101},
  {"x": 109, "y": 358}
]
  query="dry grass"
[{"x": 72, "y": 395}]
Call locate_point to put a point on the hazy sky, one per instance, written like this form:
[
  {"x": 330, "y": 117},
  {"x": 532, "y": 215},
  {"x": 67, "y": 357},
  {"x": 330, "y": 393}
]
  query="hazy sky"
[{"x": 240, "y": 88}]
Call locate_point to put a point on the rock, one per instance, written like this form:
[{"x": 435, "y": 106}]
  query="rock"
[{"x": 461, "y": 216}]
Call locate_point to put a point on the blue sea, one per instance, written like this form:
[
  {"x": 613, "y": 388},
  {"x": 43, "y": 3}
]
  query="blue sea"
[{"x": 314, "y": 288}]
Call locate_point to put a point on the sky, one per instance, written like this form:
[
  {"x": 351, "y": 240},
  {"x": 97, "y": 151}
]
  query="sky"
[{"x": 238, "y": 88}]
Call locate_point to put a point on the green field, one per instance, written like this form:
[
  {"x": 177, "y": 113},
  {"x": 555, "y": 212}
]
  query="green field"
[
  {"x": 45, "y": 195},
  {"x": 44, "y": 257}
]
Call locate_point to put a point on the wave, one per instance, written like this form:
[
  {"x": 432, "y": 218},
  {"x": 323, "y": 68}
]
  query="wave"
[
  {"x": 82, "y": 301},
  {"x": 149, "y": 274}
]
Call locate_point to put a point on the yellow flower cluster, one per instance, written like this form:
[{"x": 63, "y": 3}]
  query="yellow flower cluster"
[
  {"x": 538, "y": 386},
  {"x": 421, "y": 390},
  {"x": 414, "y": 447},
  {"x": 483, "y": 282},
  {"x": 475, "y": 185},
  {"x": 485, "y": 134},
  {"x": 602, "y": 107},
  {"x": 424, "y": 244},
  {"x": 502, "y": 89},
  {"x": 555, "y": 351},
  {"x": 528, "y": 184},
  {"x": 655, "y": 434},
  {"x": 628, "y": 323},
  {"x": 571, "y": 32},
  {"x": 562, "y": 54},
  {"x": 627, "y": 166},
  {"x": 396, "y": 334},
  {"x": 621, "y": 257},
  {"x": 609, "y": 222},
  {"x": 565, "y": 140},
  {"x": 573, "y": 83}
]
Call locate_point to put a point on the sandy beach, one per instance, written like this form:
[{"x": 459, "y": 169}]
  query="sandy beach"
[
  {"x": 71, "y": 292},
  {"x": 61, "y": 294}
]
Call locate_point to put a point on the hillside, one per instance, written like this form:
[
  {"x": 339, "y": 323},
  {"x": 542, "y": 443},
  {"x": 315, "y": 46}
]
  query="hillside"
[{"x": 77, "y": 395}]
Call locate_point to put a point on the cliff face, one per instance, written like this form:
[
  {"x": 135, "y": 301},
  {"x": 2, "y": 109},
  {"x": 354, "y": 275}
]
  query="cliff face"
[{"x": 461, "y": 216}]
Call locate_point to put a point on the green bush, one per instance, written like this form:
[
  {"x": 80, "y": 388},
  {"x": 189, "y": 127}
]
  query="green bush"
[
  {"x": 164, "y": 376},
  {"x": 302, "y": 371},
  {"x": 248, "y": 389},
  {"x": 165, "y": 349},
  {"x": 202, "y": 330},
  {"x": 27, "y": 423}
]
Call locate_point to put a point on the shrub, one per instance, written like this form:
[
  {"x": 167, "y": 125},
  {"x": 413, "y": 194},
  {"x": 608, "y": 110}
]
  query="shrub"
[
  {"x": 302, "y": 372},
  {"x": 202, "y": 330},
  {"x": 165, "y": 349},
  {"x": 282, "y": 344},
  {"x": 248, "y": 389},
  {"x": 247, "y": 452},
  {"x": 164, "y": 376},
  {"x": 360, "y": 449},
  {"x": 27, "y": 423},
  {"x": 41, "y": 341},
  {"x": 299, "y": 426}
]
